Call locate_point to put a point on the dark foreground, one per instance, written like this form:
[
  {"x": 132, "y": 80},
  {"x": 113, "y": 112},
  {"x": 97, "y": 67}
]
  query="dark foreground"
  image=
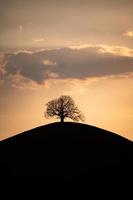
[{"x": 66, "y": 159}]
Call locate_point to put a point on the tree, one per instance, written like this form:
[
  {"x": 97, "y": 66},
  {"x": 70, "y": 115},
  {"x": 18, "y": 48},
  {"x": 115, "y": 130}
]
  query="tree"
[{"x": 63, "y": 107}]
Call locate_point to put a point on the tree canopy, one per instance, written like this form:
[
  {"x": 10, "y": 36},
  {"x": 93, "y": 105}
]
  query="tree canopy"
[{"x": 63, "y": 107}]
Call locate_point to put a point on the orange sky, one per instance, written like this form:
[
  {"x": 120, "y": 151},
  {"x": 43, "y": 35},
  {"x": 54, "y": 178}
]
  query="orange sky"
[{"x": 106, "y": 103}]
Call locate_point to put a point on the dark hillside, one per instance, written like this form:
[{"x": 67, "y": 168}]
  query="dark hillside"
[{"x": 69, "y": 158}]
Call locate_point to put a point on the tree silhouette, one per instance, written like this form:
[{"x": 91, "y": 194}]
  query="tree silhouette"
[{"x": 63, "y": 107}]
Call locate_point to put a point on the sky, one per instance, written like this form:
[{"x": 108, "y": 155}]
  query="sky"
[{"x": 81, "y": 48}]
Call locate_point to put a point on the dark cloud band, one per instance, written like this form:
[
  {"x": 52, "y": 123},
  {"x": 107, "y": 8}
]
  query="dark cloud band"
[{"x": 68, "y": 63}]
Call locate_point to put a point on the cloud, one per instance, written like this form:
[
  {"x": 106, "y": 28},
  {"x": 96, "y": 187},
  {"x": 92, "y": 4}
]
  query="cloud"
[
  {"x": 129, "y": 33},
  {"x": 20, "y": 28},
  {"x": 52, "y": 75},
  {"x": 20, "y": 82},
  {"x": 83, "y": 46},
  {"x": 38, "y": 40},
  {"x": 49, "y": 62},
  {"x": 80, "y": 63},
  {"x": 2, "y": 65},
  {"x": 2, "y": 70},
  {"x": 23, "y": 51},
  {"x": 117, "y": 50}
]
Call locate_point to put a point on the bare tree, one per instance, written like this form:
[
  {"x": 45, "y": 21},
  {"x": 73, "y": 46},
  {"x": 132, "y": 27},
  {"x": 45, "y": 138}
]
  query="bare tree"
[{"x": 63, "y": 107}]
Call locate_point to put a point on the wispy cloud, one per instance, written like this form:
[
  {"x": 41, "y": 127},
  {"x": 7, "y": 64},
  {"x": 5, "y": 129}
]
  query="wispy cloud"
[
  {"x": 23, "y": 51},
  {"x": 20, "y": 82},
  {"x": 20, "y": 28},
  {"x": 83, "y": 46},
  {"x": 37, "y": 40},
  {"x": 129, "y": 33},
  {"x": 117, "y": 50}
]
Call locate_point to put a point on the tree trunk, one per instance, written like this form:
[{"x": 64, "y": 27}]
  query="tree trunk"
[{"x": 62, "y": 119}]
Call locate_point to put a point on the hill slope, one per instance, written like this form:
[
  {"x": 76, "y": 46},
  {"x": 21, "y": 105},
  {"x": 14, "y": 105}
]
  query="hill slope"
[{"x": 72, "y": 157}]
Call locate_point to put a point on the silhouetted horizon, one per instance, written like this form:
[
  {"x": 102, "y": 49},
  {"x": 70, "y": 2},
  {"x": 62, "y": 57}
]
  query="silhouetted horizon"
[
  {"x": 79, "y": 158},
  {"x": 66, "y": 122}
]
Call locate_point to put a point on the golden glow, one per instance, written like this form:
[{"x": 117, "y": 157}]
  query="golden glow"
[
  {"x": 106, "y": 103},
  {"x": 113, "y": 49},
  {"x": 48, "y": 62},
  {"x": 117, "y": 50},
  {"x": 129, "y": 34}
]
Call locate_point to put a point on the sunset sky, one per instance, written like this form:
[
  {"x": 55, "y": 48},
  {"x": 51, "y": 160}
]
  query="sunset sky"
[{"x": 81, "y": 48}]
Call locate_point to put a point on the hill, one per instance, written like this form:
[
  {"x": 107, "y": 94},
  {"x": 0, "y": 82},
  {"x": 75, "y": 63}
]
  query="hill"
[{"x": 68, "y": 158}]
